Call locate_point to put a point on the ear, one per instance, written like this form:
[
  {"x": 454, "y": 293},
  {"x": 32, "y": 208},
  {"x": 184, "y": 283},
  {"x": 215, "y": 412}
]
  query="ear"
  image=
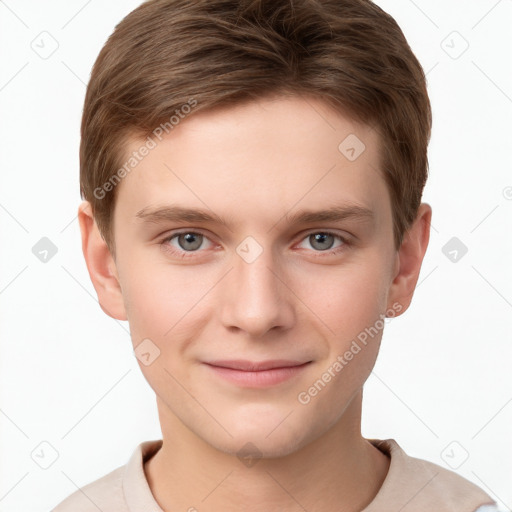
[
  {"x": 409, "y": 259},
  {"x": 100, "y": 264}
]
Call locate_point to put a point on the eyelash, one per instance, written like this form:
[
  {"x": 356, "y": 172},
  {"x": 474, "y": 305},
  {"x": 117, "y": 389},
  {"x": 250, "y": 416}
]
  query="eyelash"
[{"x": 190, "y": 254}]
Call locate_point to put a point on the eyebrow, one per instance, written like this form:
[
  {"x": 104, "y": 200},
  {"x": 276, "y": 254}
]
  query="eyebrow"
[
  {"x": 333, "y": 214},
  {"x": 178, "y": 214},
  {"x": 174, "y": 213}
]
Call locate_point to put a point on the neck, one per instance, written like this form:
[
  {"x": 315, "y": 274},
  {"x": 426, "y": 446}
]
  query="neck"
[{"x": 339, "y": 471}]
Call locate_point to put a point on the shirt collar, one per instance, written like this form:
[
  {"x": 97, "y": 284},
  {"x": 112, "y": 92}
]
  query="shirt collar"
[
  {"x": 137, "y": 492},
  {"x": 411, "y": 484}
]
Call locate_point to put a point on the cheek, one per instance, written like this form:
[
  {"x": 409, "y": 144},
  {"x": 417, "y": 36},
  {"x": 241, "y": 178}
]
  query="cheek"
[
  {"x": 351, "y": 303},
  {"x": 348, "y": 299},
  {"x": 159, "y": 297}
]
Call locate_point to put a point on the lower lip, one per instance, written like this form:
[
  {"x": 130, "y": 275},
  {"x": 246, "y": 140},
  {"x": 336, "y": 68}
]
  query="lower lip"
[{"x": 258, "y": 379}]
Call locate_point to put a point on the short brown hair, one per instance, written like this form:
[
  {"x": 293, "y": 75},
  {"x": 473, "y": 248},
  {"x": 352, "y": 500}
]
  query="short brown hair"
[{"x": 348, "y": 53}]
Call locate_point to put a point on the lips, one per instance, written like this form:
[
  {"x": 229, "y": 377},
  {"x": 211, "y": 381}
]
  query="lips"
[
  {"x": 253, "y": 366},
  {"x": 257, "y": 374}
]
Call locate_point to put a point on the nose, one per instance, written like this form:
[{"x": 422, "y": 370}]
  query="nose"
[{"x": 256, "y": 297}]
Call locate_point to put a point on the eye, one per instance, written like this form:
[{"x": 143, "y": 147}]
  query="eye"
[
  {"x": 323, "y": 241},
  {"x": 186, "y": 242}
]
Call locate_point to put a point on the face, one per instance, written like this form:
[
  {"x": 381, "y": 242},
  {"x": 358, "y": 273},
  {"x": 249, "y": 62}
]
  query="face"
[{"x": 254, "y": 279}]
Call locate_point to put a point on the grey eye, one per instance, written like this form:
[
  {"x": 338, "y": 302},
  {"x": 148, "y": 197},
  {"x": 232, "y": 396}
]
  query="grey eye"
[
  {"x": 321, "y": 241},
  {"x": 190, "y": 241}
]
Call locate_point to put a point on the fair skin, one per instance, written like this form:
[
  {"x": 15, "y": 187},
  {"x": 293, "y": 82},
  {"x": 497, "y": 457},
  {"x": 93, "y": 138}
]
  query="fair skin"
[{"x": 256, "y": 165}]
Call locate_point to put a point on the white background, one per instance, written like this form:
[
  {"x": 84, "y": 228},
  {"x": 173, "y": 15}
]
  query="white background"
[{"x": 69, "y": 377}]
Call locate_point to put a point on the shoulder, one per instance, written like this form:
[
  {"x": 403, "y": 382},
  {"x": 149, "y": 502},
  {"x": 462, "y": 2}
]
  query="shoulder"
[
  {"x": 417, "y": 484},
  {"x": 122, "y": 490},
  {"x": 105, "y": 494}
]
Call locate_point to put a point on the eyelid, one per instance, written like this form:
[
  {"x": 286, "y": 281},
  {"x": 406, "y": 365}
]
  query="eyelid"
[
  {"x": 304, "y": 234},
  {"x": 168, "y": 237},
  {"x": 344, "y": 239},
  {"x": 327, "y": 231}
]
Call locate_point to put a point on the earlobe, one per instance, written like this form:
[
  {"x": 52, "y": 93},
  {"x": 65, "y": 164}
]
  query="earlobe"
[
  {"x": 410, "y": 257},
  {"x": 100, "y": 264}
]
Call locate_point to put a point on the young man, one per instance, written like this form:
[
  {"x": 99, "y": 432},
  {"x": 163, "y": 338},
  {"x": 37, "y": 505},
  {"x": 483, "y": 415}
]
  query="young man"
[{"x": 253, "y": 173}]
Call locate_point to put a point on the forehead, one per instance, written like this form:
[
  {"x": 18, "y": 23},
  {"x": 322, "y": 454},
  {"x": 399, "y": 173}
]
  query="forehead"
[{"x": 260, "y": 159}]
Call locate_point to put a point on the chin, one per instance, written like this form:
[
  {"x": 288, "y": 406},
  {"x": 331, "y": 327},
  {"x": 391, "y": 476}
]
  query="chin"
[
  {"x": 264, "y": 435},
  {"x": 248, "y": 446}
]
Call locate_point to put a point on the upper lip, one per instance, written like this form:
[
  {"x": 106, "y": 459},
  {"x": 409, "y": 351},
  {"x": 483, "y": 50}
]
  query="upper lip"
[{"x": 254, "y": 366}]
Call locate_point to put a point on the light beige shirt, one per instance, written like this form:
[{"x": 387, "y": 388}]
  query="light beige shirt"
[{"x": 411, "y": 485}]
